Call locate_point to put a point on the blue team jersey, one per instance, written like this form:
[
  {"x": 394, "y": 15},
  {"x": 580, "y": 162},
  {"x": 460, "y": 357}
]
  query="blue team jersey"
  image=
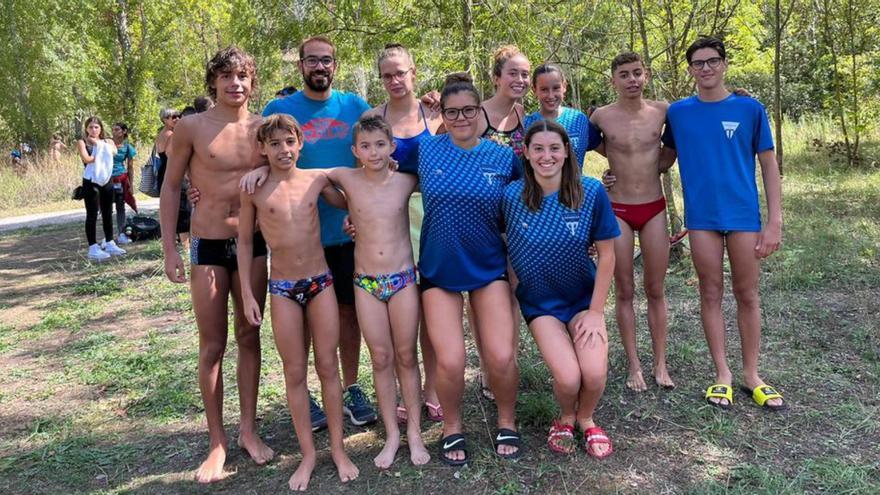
[
  {"x": 584, "y": 135},
  {"x": 121, "y": 157},
  {"x": 716, "y": 144},
  {"x": 548, "y": 249},
  {"x": 460, "y": 246},
  {"x": 326, "y": 127}
]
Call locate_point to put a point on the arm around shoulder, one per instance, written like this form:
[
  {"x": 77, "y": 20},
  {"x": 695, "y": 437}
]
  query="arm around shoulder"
[{"x": 332, "y": 195}]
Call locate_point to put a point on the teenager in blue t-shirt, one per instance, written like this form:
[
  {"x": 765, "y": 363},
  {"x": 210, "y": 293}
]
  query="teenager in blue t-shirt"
[
  {"x": 123, "y": 171},
  {"x": 548, "y": 84},
  {"x": 553, "y": 215},
  {"x": 717, "y": 135},
  {"x": 462, "y": 180}
]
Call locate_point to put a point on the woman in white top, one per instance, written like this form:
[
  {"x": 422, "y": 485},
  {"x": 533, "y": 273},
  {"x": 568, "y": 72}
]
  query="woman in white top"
[{"x": 97, "y": 152}]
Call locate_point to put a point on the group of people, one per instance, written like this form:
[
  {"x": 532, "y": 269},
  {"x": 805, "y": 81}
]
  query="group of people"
[
  {"x": 108, "y": 166},
  {"x": 108, "y": 175},
  {"x": 508, "y": 221}
]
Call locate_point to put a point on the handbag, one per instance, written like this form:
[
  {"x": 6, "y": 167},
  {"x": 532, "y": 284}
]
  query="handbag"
[
  {"x": 77, "y": 194},
  {"x": 149, "y": 178}
]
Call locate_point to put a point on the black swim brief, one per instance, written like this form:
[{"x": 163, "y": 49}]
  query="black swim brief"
[{"x": 222, "y": 252}]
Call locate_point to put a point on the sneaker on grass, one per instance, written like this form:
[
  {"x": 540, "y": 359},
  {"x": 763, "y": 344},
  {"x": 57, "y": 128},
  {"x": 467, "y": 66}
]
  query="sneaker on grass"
[
  {"x": 97, "y": 254},
  {"x": 319, "y": 419},
  {"x": 112, "y": 249},
  {"x": 356, "y": 405}
]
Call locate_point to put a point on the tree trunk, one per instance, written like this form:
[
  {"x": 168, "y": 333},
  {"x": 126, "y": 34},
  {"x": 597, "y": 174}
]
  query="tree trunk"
[
  {"x": 838, "y": 96},
  {"x": 666, "y": 178},
  {"x": 128, "y": 92},
  {"x": 777, "y": 85},
  {"x": 854, "y": 97},
  {"x": 25, "y": 127},
  {"x": 467, "y": 15}
]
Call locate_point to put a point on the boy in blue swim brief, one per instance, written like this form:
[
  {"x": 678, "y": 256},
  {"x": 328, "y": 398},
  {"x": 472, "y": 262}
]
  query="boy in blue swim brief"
[{"x": 286, "y": 208}]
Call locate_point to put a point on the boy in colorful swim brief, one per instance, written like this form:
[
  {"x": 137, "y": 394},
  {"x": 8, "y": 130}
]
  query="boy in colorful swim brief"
[
  {"x": 286, "y": 208},
  {"x": 386, "y": 296}
]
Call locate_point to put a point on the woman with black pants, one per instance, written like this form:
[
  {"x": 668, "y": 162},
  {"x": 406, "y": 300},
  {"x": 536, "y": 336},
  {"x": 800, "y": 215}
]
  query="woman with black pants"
[{"x": 97, "y": 156}]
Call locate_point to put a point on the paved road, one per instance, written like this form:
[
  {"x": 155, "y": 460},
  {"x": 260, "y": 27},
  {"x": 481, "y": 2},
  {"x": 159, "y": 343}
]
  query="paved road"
[{"x": 62, "y": 217}]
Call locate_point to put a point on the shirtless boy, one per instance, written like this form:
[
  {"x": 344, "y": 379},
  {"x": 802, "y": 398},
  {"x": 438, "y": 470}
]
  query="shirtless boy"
[
  {"x": 632, "y": 126},
  {"x": 287, "y": 210},
  {"x": 217, "y": 147},
  {"x": 386, "y": 296}
]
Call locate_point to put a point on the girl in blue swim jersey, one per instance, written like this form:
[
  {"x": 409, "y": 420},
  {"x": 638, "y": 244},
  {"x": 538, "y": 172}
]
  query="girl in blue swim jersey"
[
  {"x": 553, "y": 215},
  {"x": 549, "y": 86},
  {"x": 462, "y": 179}
]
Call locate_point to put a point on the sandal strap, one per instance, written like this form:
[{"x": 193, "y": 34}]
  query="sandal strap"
[
  {"x": 596, "y": 435},
  {"x": 720, "y": 391},
  {"x": 559, "y": 430},
  {"x": 453, "y": 442},
  {"x": 505, "y": 436},
  {"x": 763, "y": 393}
]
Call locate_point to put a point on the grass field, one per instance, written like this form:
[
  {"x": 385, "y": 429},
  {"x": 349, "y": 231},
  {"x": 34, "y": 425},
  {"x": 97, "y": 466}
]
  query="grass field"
[{"x": 98, "y": 391}]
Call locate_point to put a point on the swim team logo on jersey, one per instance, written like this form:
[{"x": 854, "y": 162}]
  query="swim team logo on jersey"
[
  {"x": 490, "y": 174},
  {"x": 324, "y": 128},
  {"x": 572, "y": 220},
  {"x": 729, "y": 128}
]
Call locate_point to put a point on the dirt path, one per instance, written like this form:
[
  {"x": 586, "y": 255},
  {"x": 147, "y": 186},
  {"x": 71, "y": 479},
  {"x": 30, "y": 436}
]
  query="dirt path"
[{"x": 63, "y": 217}]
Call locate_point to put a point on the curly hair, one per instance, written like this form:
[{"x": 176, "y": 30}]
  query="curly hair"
[{"x": 226, "y": 60}]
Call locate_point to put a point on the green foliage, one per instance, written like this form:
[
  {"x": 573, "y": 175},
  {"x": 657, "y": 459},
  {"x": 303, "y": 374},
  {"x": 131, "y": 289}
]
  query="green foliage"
[{"x": 126, "y": 59}]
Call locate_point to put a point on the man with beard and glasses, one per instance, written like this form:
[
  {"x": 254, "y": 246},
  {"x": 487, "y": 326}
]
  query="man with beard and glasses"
[{"x": 327, "y": 116}]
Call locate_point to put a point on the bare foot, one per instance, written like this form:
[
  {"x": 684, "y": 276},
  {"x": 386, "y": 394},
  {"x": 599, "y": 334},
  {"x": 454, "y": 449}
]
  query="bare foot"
[
  {"x": 299, "y": 481},
  {"x": 259, "y": 451},
  {"x": 418, "y": 454},
  {"x": 347, "y": 470},
  {"x": 386, "y": 457},
  {"x": 212, "y": 469},
  {"x": 661, "y": 376},
  {"x": 636, "y": 382}
]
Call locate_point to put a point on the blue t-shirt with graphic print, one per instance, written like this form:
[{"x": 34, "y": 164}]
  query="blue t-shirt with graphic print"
[
  {"x": 716, "y": 144},
  {"x": 326, "y": 126},
  {"x": 548, "y": 249},
  {"x": 460, "y": 246},
  {"x": 584, "y": 135}
]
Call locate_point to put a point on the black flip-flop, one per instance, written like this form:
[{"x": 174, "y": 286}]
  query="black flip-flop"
[
  {"x": 505, "y": 436},
  {"x": 452, "y": 443}
]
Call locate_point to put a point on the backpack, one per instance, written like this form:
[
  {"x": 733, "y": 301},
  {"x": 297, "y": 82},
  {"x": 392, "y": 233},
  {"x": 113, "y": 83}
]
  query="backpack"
[
  {"x": 149, "y": 175},
  {"x": 142, "y": 228}
]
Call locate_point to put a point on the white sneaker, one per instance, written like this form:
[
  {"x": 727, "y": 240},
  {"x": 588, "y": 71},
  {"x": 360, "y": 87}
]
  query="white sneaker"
[
  {"x": 97, "y": 254},
  {"x": 112, "y": 249},
  {"x": 123, "y": 239}
]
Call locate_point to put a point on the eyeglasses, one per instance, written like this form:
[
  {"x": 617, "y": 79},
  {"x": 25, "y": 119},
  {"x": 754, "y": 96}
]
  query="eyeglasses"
[
  {"x": 175, "y": 117},
  {"x": 711, "y": 62},
  {"x": 468, "y": 112},
  {"x": 312, "y": 62},
  {"x": 399, "y": 75}
]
